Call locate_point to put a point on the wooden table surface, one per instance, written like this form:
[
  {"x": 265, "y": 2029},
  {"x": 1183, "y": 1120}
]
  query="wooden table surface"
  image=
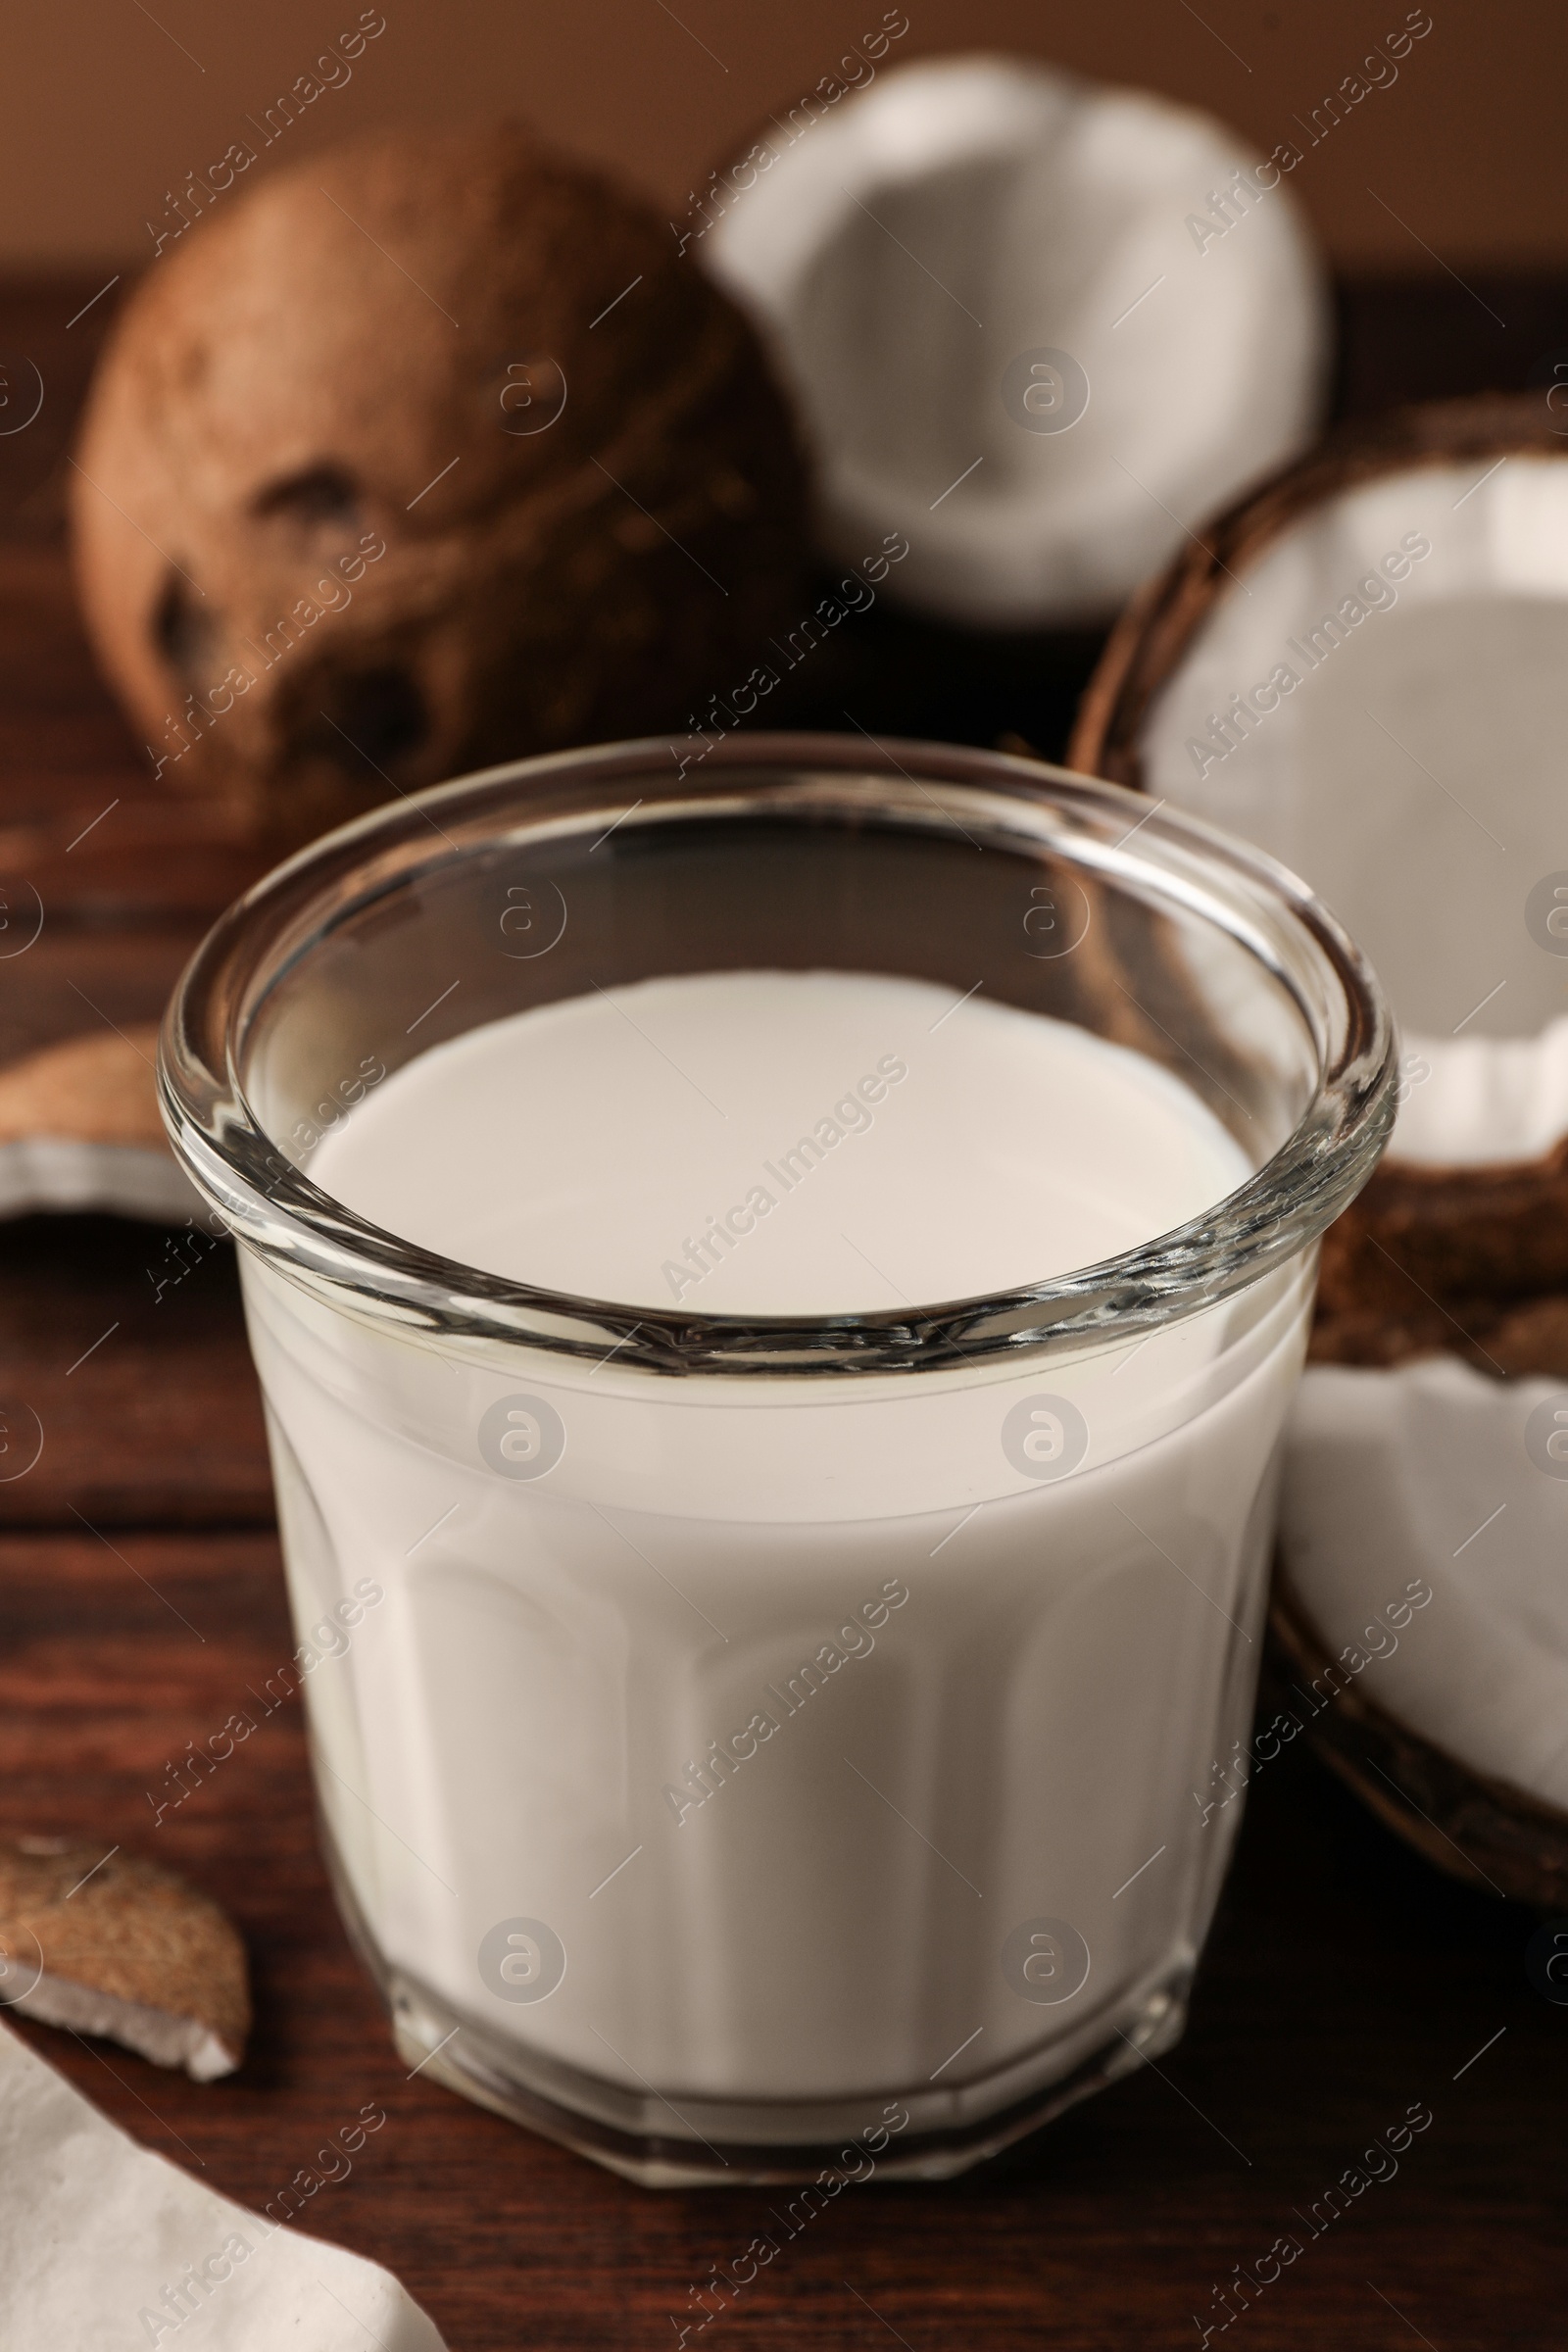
[{"x": 140, "y": 1594}]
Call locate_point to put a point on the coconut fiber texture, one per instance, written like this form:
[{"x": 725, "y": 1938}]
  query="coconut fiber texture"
[
  {"x": 432, "y": 453},
  {"x": 120, "y": 1946}
]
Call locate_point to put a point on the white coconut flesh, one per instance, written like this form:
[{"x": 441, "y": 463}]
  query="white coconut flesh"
[
  {"x": 103, "y": 2242},
  {"x": 1413, "y": 767},
  {"x": 44, "y": 1172},
  {"x": 1420, "y": 1476},
  {"x": 79, "y": 1129},
  {"x": 916, "y": 239},
  {"x": 1398, "y": 725},
  {"x": 156, "y": 2033}
]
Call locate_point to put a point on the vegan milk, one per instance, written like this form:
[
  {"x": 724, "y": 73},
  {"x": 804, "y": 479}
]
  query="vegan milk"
[{"x": 764, "y": 1739}]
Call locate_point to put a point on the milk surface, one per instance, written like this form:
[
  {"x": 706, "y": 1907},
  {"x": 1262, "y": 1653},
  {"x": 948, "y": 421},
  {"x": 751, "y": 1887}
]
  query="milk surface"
[
  {"x": 786, "y": 1707},
  {"x": 789, "y": 1142}
]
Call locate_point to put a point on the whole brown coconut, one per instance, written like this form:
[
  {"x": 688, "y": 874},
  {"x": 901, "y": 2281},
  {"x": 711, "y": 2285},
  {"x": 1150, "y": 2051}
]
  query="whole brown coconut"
[{"x": 430, "y": 453}]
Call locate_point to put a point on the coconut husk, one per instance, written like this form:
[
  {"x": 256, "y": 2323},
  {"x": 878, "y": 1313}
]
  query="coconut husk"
[
  {"x": 1522, "y": 1340},
  {"x": 577, "y": 507},
  {"x": 122, "y": 1948},
  {"x": 1433, "y": 1233},
  {"x": 1483, "y": 1831}
]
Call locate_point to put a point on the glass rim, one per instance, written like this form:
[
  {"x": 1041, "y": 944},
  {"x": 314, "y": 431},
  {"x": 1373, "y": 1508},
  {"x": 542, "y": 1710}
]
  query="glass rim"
[{"x": 1173, "y": 859}]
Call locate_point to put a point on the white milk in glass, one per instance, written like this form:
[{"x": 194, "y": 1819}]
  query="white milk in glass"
[{"x": 783, "y": 1740}]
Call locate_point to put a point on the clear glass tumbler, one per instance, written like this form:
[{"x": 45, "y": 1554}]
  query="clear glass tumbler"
[{"x": 741, "y": 1743}]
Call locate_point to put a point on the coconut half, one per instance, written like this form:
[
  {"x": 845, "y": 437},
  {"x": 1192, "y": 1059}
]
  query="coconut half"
[
  {"x": 79, "y": 1129},
  {"x": 1364, "y": 669},
  {"x": 1037, "y": 324},
  {"x": 1485, "y": 1830}
]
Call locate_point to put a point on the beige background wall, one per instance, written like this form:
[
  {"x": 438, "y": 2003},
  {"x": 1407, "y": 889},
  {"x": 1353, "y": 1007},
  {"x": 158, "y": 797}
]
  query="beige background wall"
[{"x": 106, "y": 106}]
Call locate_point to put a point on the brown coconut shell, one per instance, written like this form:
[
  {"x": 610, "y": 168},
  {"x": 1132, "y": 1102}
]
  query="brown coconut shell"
[
  {"x": 1151, "y": 640},
  {"x": 1470, "y": 1261},
  {"x": 1421, "y": 1243},
  {"x": 1478, "y": 1829},
  {"x": 111, "y": 1944},
  {"x": 1514, "y": 1338},
  {"x": 323, "y": 553},
  {"x": 100, "y": 1089}
]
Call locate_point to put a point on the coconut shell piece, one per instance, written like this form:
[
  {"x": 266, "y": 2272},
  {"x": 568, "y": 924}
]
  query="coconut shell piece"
[
  {"x": 79, "y": 1129},
  {"x": 1438, "y": 1235},
  {"x": 1475, "y": 1828},
  {"x": 125, "y": 1948},
  {"x": 429, "y": 453},
  {"x": 100, "y": 1089}
]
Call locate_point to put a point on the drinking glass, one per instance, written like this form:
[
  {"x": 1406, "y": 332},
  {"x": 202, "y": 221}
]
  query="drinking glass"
[{"x": 764, "y": 1747}]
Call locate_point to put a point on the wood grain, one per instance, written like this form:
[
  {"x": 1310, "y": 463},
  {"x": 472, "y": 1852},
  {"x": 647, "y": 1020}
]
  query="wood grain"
[{"x": 122, "y": 1343}]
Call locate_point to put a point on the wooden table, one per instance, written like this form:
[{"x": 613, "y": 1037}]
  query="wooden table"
[{"x": 140, "y": 1594}]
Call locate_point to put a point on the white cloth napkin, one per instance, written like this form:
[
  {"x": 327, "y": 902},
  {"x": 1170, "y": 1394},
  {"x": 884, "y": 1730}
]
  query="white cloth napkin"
[{"x": 102, "y": 2242}]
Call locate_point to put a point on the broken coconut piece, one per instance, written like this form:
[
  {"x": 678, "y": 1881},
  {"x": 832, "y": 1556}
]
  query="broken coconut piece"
[
  {"x": 103, "y": 2242},
  {"x": 975, "y": 275},
  {"x": 79, "y": 1129},
  {"x": 125, "y": 1948},
  {"x": 1486, "y": 1832},
  {"x": 1365, "y": 670},
  {"x": 579, "y": 512},
  {"x": 1433, "y": 1479}
]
